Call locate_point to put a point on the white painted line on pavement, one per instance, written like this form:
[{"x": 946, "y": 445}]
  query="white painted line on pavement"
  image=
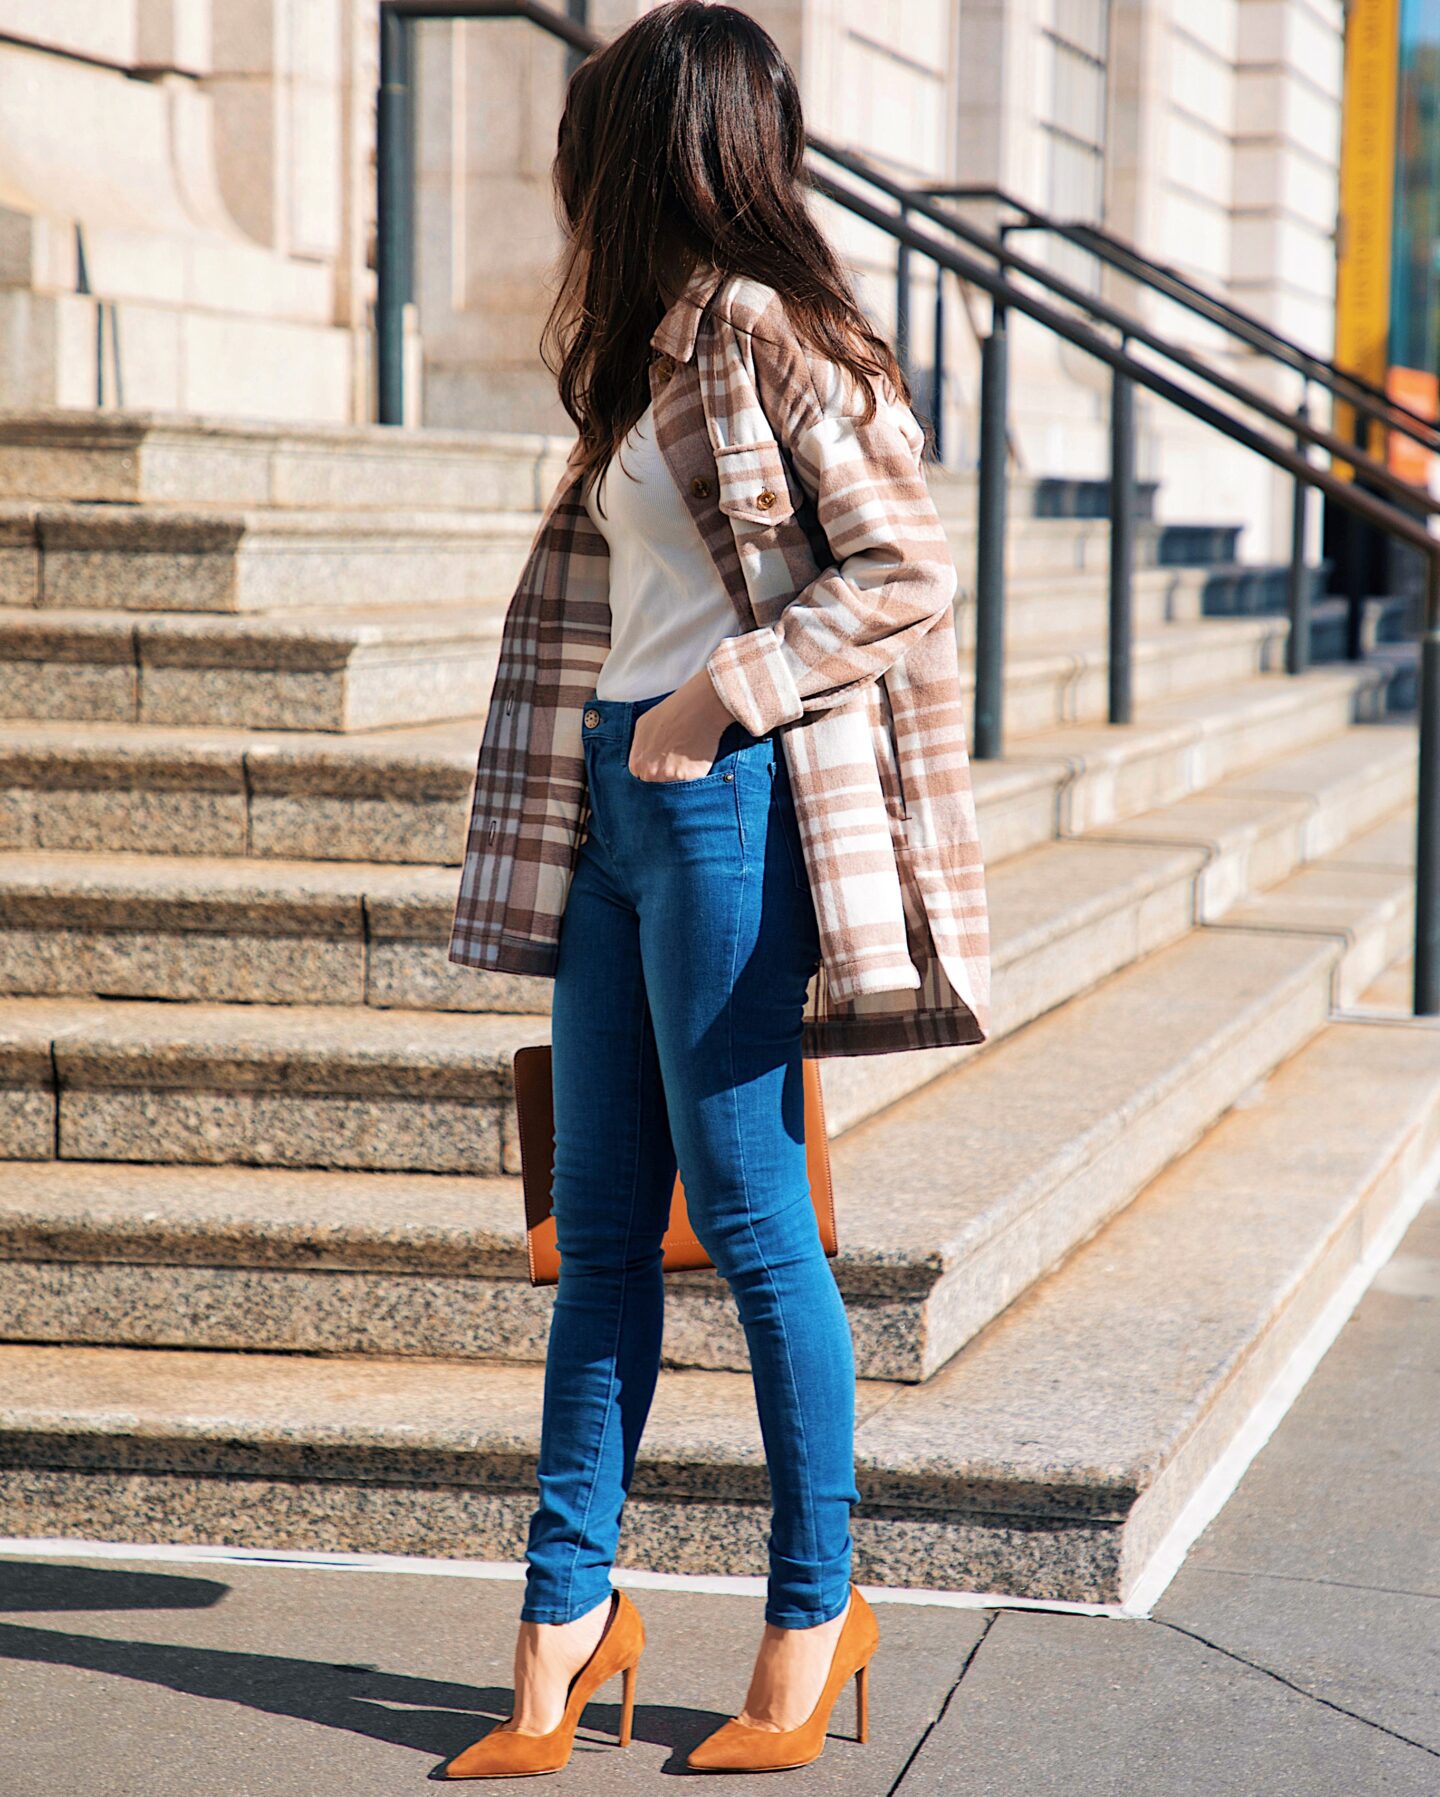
[{"x": 715, "y": 1584}]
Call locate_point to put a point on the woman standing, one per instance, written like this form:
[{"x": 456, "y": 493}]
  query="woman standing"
[{"x": 723, "y": 801}]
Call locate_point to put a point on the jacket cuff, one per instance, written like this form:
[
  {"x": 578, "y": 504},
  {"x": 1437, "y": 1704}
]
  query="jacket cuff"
[{"x": 751, "y": 674}]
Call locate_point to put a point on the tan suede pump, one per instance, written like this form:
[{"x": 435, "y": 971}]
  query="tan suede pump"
[
  {"x": 736, "y": 1747},
  {"x": 505, "y": 1754}
]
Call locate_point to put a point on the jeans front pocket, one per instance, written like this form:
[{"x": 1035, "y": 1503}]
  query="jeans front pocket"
[
  {"x": 715, "y": 772},
  {"x": 735, "y": 742}
]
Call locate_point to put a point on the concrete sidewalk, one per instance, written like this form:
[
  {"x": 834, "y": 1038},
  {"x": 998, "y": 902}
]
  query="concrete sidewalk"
[{"x": 1297, "y": 1654}]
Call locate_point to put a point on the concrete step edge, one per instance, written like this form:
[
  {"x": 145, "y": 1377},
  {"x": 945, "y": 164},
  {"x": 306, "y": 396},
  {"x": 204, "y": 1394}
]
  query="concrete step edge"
[
  {"x": 146, "y": 1032},
  {"x": 420, "y": 757},
  {"x": 366, "y": 1268},
  {"x": 1358, "y": 1108},
  {"x": 159, "y": 530},
  {"x": 33, "y": 1196},
  {"x": 54, "y": 887}
]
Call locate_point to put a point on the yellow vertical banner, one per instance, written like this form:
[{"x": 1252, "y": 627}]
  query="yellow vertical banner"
[{"x": 1367, "y": 196}]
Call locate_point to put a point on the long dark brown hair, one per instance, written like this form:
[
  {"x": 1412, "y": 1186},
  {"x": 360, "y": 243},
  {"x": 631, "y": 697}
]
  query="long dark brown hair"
[{"x": 682, "y": 144}]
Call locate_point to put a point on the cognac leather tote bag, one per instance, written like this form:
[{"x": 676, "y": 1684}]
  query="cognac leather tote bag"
[{"x": 535, "y": 1112}]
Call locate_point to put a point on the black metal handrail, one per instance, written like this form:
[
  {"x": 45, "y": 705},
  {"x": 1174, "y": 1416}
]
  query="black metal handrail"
[
  {"x": 1346, "y": 385},
  {"x": 395, "y": 12},
  {"x": 1358, "y": 459},
  {"x": 394, "y": 175},
  {"x": 1133, "y": 329},
  {"x": 1128, "y": 372}
]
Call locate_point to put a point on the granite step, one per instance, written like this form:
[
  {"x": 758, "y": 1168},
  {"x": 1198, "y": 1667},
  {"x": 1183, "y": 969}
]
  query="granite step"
[
  {"x": 401, "y": 795},
  {"x": 1049, "y": 1459},
  {"x": 270, "y": 931},
  {"x": 154, "y": 558},
  {"x": 1190, "y": 743},
  {"x": 1040, "y": 596},
  {"x": 1364, "y": 774},
  {"x": 1390, "y": 997},
  {"x": 397, "y": 795},
  {"x": 1055, "y": 546},
  {"x": 174, "y": 459},
  {"x": 268, "y": 1085},
  {"x": 1191, "y": 1026},
  {"x": 332, "y": 670},
  {"x": 162, "y": 559},
  {"x": 339, "y": 670},
  {"x": 341, "y": 933},
  {"x": 1168, "y": 1044},
  {"x": 1067, "y": 681},
  {"x": 1032, "y": 498},
  {"x": 215, "y": 930},
  {"x": 1042, "y": 605},
  {"x": 369, "y": 1263},
  {"x": 1063, "y": 1444},
  {"x": 1361, "y": 895},
  {"x": 1260, "y": 826},
  {"x": 153, "y": 458},
  {"x": 295, "y": 1085}
]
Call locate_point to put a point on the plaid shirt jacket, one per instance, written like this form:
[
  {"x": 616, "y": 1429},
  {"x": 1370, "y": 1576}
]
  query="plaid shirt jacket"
[{"x": 824, "y": 532}]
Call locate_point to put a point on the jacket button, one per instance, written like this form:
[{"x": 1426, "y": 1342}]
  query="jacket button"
[
  {"x": 592, "y": 718},
  {"x": 700, "y": 488},
  {"x": 663, "y": 370},
  {"x": 764, "y": 499}
]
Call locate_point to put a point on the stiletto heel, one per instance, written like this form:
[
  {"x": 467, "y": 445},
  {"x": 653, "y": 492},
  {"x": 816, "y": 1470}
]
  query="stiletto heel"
[
  {"x": 627, "y": 1705},
  {"x": 505, "y": 1754},
  {"x": 736, "y": 1747}
]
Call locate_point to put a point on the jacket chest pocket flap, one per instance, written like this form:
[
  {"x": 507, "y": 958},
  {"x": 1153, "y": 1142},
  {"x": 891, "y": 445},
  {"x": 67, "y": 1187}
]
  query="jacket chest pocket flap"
[{"x": 754, "y": 482}]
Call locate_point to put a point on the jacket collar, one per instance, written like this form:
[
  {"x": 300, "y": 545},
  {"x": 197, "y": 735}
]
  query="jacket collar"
[{"x": 676, "y": 332}]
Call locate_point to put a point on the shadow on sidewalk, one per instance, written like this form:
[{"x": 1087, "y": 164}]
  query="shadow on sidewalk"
[
  {"x": 431, "y": 1716},
  {"x": 48, "y": 1585}
]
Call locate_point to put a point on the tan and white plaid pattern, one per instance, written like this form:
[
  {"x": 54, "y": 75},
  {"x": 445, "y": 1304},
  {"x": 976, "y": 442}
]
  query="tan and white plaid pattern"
[{"x": 823, "y": 529}]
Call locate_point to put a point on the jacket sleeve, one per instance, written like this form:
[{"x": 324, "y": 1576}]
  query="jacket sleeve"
[{"x": 892, "y": 574}]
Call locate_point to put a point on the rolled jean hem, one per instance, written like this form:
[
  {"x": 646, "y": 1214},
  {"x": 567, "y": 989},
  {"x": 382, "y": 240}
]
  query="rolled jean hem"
[
  {"x": 808, "y": 1619},
  {"x": 556, "y": 1613}
]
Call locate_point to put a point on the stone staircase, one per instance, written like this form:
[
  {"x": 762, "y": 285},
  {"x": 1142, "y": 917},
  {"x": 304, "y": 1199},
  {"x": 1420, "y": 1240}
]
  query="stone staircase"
[{"x": 262, "y": 1275}]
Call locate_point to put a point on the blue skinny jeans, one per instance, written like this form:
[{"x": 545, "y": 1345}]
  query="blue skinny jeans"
[{"x": 686, "y": 946}]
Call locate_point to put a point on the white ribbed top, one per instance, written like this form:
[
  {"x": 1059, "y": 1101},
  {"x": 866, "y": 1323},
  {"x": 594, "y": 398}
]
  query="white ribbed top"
[{"x": 668, "y": 605}]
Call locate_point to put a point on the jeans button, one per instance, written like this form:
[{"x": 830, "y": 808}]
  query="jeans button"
[{"x": 592, "y": 718}]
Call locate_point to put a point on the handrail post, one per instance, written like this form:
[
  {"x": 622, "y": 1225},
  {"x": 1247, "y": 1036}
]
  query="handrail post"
[
  {"x": 392, "y": 235},
  {"x": 1357, "y": 558},
  {"x": 1297, "y": 647},
  {"x": 1427, "y": 842},
  {"x": 993, "y": 474},
  {"x": 1122, "y": 544}
]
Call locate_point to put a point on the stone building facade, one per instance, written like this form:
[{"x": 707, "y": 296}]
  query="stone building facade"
[
  {"x": 185, "y": 205},
  {"x": 187, "y": 213}
]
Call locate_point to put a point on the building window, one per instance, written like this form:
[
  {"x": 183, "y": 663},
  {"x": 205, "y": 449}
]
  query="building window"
[{"x": 1077, "y": 42}]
